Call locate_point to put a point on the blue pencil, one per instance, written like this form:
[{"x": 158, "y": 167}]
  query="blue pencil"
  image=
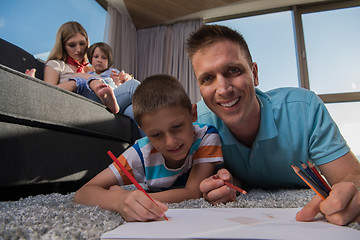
[
  {"x": 310, "y": 183},
  {"x": 314, "y": 177}
]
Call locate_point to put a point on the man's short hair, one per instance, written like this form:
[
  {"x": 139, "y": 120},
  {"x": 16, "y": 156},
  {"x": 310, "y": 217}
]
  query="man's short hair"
[
  {"x": 156, "y": 92},
  {"x": 207, "y": 35}
]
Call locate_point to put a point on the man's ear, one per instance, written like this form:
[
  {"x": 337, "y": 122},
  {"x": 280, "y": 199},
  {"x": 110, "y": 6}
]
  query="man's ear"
[
  {"x": 194, "y": 112},
  {"x": 255, "y": 72}
]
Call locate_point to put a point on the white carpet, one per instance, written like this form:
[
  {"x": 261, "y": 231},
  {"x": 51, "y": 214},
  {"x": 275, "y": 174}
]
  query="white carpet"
[{"x": 55, "y": 216}]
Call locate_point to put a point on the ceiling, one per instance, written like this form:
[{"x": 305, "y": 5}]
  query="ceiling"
[{"x": 147, "y": 13}]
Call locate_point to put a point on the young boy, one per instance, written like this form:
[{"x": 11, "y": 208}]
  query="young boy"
[
  {"x": 172, "y": 160},
  {"x": 101, "y": 58},
  {"x": 114, "y": 88}
]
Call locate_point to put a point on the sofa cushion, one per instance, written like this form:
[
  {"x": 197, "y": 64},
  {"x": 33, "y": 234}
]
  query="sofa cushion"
[
  {"x": 16, "y": 58},
  {"x": 33, "y": 102},
  {"x": 50, "y": 135}
]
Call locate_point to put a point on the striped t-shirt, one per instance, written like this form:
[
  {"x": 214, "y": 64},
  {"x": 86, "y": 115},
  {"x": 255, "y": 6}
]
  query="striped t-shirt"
[{"x": 147, "y": 165}]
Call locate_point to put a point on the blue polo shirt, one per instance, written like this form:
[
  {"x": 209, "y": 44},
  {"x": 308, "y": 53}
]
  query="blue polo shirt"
[{"x": 295, "y": 126}]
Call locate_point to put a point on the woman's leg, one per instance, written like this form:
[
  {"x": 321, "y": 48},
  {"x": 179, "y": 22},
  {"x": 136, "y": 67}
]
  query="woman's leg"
[
  {"x": 124, "y": 93},
  {"x": 129, "y": 112}
]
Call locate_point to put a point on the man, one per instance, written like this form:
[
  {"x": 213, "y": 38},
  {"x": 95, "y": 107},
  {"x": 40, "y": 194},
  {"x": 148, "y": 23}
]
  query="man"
[{"x": 263, "y": 134}]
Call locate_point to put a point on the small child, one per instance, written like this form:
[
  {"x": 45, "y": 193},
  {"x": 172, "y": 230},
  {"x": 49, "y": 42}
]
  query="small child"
[
  {"x": 105, "y": 79},
  {"x": 172, "y": 160},
  {"x": 101, "y": 58}
]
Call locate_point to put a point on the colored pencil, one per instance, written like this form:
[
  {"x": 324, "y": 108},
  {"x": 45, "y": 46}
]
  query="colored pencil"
[
  {"x": 131, "y": 178},
  {"x": 235, "y": 188},
  {"x": 314, "y": 177},
  {"x": 232, "y": 186},
  {"x": 321, "y": 193},
  {"x": 315, "y": 171}
]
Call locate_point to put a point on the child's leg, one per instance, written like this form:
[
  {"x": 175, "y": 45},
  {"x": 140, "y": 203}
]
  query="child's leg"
[
  {"x": 106, "y": 94},
  {"x": 124, "y": 93},
  {"x": 30, "y": 72}
]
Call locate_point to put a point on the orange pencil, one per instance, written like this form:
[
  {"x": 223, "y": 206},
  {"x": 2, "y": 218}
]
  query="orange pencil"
[
  {"x": 316, "y": 179},
  {"x": 131, "y": 178},
  {"x": 321, "y": 193},
  {"x": 322, "y": 180}
]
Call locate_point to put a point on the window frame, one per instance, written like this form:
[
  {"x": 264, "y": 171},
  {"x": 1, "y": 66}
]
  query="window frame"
[
  {"x": 297, "y": 12},
  {"x": 301, "y": 51}
]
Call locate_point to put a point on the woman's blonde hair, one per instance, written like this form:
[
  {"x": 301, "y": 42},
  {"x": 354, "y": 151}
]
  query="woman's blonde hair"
[{"x": 65, "y": 32}]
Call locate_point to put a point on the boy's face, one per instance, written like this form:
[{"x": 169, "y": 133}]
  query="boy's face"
[
  {"x": 171, "y": 132},
  {"x": 99, "y": 61}
]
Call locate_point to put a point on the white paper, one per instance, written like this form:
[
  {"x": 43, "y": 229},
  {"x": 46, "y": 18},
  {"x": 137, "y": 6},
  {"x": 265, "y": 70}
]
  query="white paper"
[{"x": 230, "y": 223}]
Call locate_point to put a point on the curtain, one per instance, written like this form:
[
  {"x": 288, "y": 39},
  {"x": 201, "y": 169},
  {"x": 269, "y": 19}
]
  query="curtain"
[
  {"x": 154, "y": 50},
  {"x": 120, "y": 34},
  {"x": 161, "y": 49}
]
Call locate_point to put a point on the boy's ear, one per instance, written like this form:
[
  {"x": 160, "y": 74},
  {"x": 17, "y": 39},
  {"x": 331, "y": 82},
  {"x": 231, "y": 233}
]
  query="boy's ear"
[{"x": 194, "y": 112}]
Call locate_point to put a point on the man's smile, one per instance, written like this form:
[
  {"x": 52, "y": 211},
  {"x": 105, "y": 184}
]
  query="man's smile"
[{"x": 230, "y": 104}]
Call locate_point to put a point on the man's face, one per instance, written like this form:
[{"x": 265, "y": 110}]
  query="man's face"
[{"x": 226, "y": 81}]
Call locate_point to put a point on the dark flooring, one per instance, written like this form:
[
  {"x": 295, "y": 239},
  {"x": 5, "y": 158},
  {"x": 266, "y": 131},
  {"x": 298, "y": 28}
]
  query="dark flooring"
[{"x": 14, "y": 193}]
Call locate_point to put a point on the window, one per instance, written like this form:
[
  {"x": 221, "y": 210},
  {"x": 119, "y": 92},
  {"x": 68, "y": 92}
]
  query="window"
[
  {"x": 333, "y": 51},
  {"x": 32, "y": 26},
  {"x": 348, "y": 122},
  {"x": 271, "y": 43},
  {"x": 327, "y": 42}
]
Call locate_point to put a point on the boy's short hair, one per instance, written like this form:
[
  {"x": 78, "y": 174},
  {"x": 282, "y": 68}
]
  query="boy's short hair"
[
  {"x": 207, "y": 35},
  {"x": 156, "y": 92},
  {"x": 105, "y": 48}
]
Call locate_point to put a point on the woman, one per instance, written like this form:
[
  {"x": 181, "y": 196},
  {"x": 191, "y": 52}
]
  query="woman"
[{"x": 67, "y": 65}]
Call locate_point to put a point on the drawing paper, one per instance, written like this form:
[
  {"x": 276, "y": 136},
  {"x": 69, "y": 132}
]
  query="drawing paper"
[{"x": 232, "y": 223}]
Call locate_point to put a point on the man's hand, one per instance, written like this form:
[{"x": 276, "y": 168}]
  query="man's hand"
[
  {"x": 215, "y": 191},
  {"x": 341, "y": 207}
]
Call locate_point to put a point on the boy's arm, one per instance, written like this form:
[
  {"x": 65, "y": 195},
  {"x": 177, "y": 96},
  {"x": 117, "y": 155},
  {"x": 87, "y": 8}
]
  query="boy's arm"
[
  {"x": 342, "y": 206},
  {"x": 191, "y": 191},
  {"x": 96, "y": 191},
  {"x": 104, "y": 192}
]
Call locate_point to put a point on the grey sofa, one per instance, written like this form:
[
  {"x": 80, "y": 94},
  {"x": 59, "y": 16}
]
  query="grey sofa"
[{"x": 51, "y": 136}]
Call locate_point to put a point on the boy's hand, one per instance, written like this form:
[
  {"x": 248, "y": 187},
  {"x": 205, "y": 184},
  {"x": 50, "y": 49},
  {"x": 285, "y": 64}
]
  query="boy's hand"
[
  {"x": 215, "y": 191},
  {"x": 341, "y": 207},
  {"x": 120, "y": 78},
  {"x": 136, "y": 206}
]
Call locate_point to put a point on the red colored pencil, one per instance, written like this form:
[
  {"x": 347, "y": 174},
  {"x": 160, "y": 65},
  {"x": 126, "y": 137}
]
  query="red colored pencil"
[
  {"x": 131, "y": 178},
  {"x": 310, "y": 183},
  {"x": 322, "y": 180},
  {"x": 235, "y": 188},
  {"x": 232, "y": 186},
  {"x": 314, "y": 177}
]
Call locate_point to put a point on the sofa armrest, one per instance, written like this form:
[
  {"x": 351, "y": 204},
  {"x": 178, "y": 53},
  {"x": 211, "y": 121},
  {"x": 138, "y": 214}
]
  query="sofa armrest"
[{"x": 48, "y": 134}]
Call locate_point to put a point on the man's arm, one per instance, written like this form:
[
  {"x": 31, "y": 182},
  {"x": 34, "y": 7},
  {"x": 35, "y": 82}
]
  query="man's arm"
[
  {"x": 214, "y": 189},
  {"x": 344, "y": 169}
]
